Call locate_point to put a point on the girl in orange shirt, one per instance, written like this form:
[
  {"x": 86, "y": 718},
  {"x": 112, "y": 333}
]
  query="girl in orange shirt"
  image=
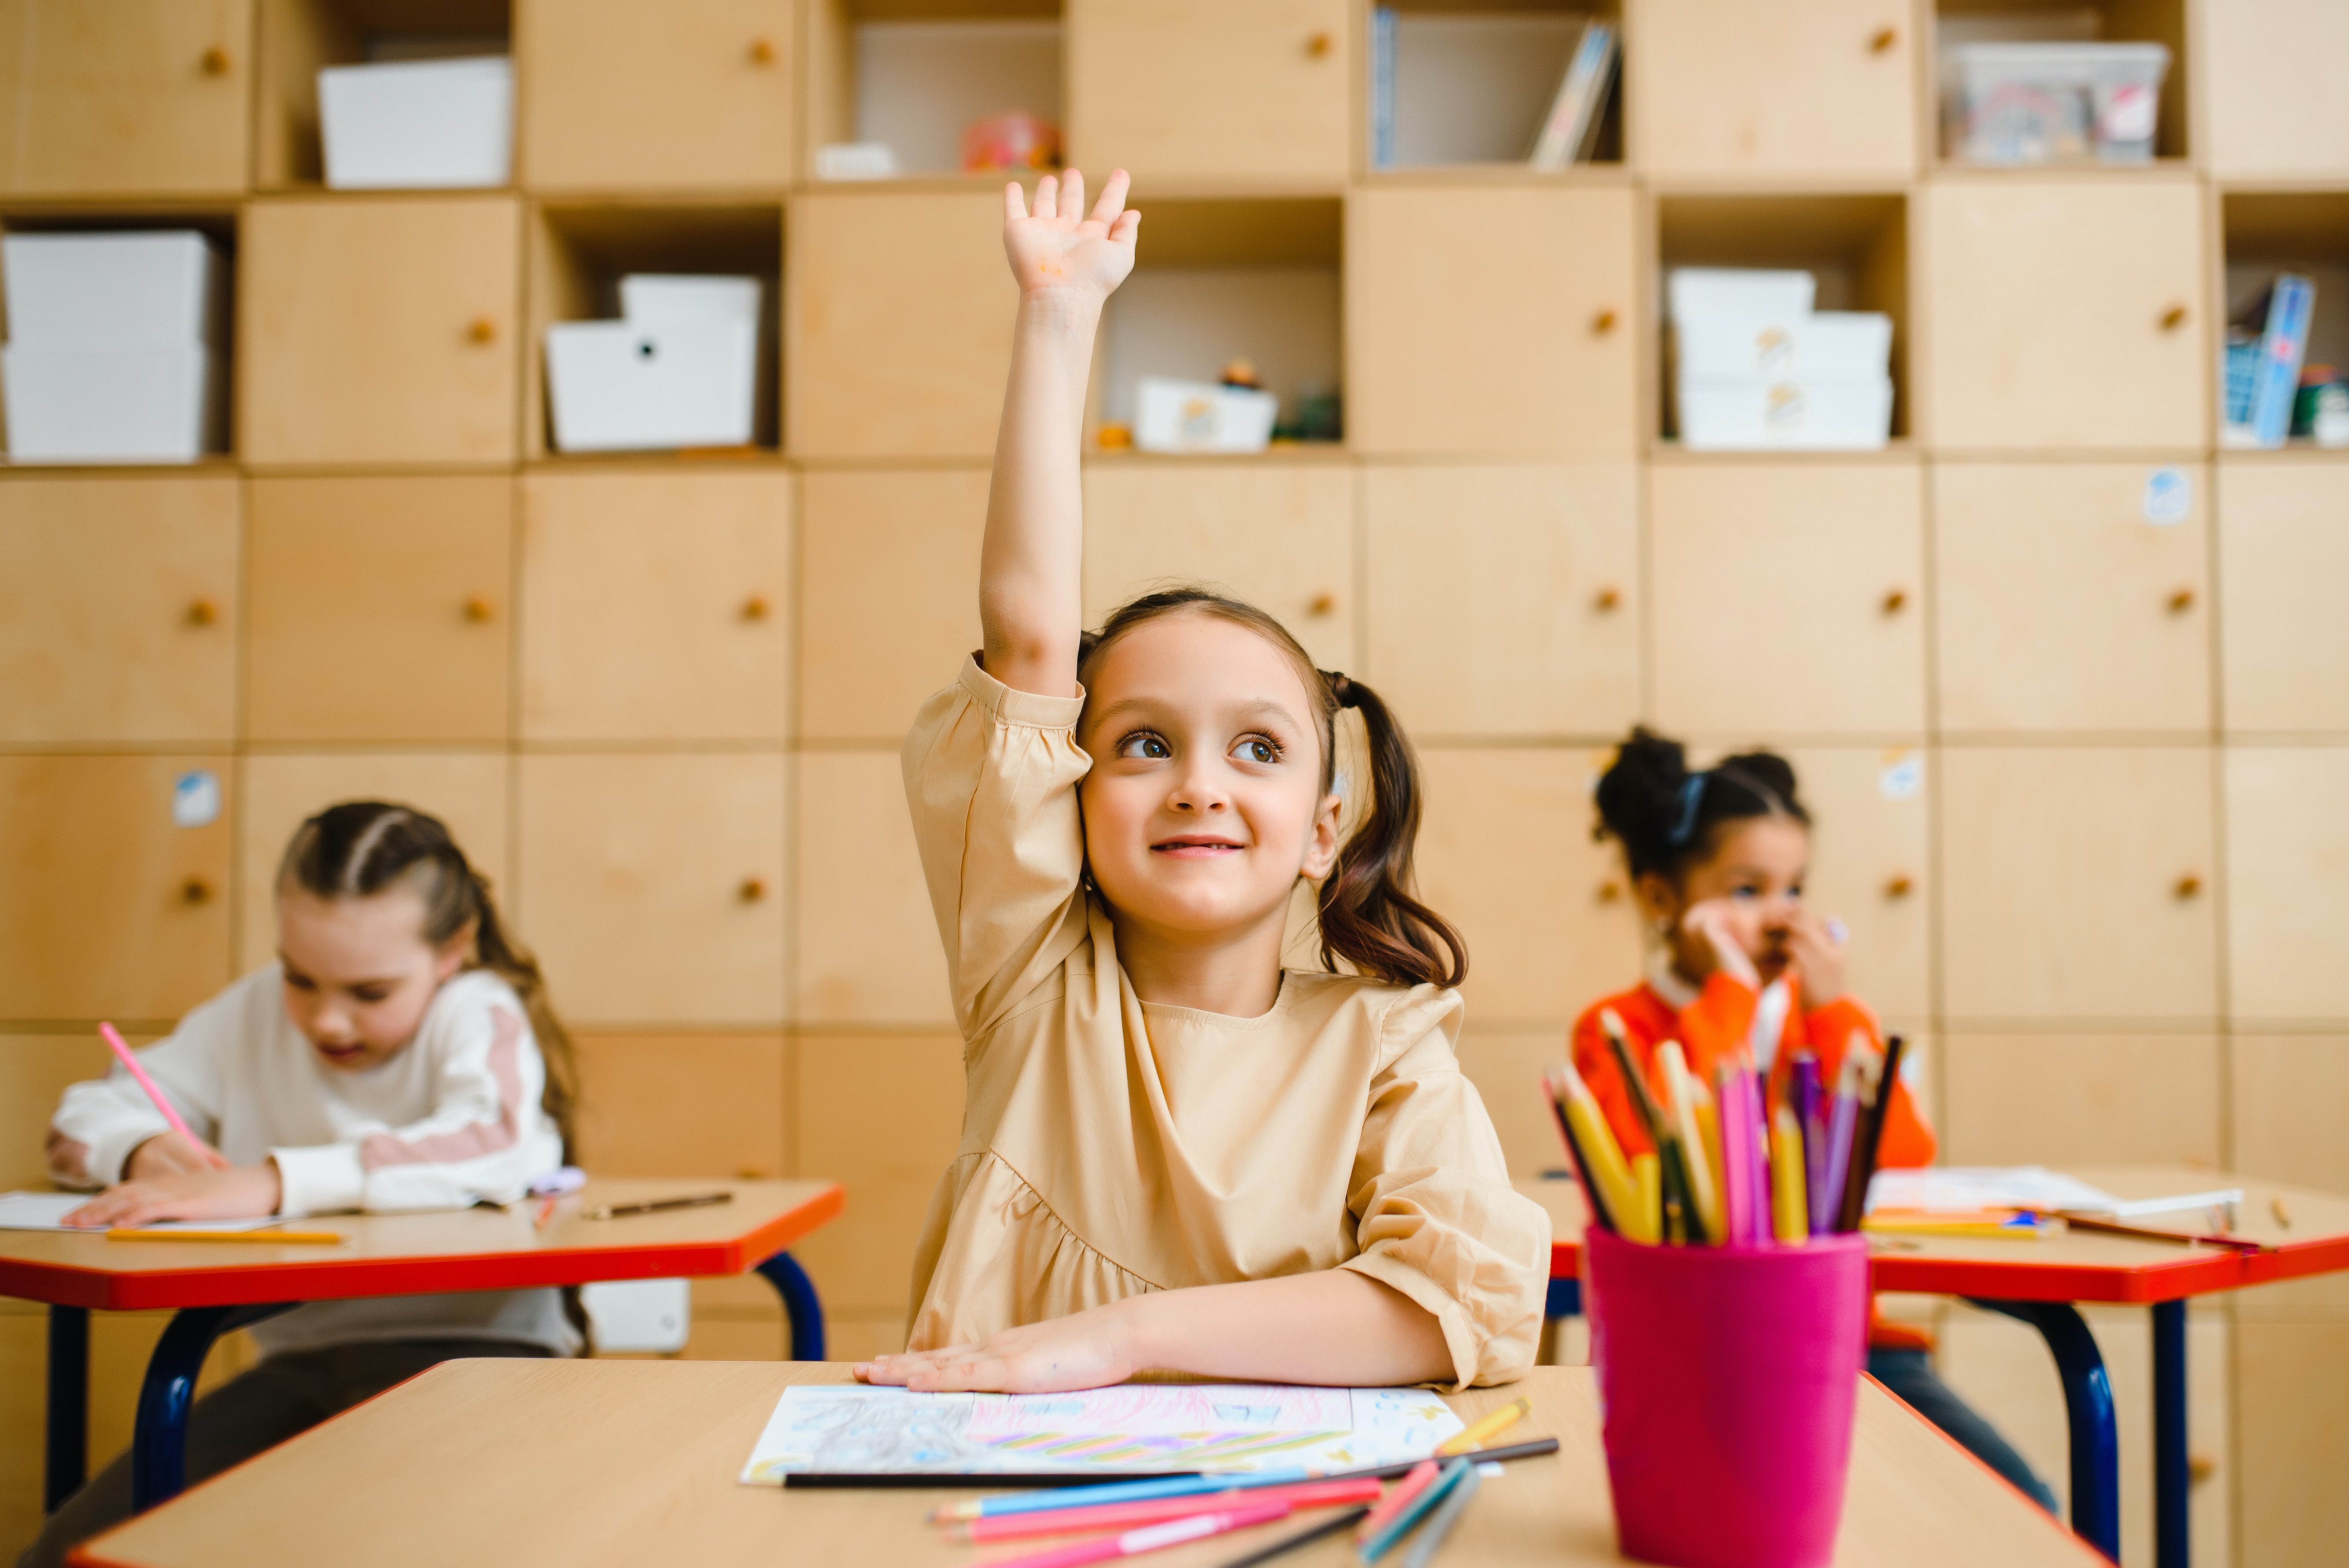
[{"x": 1740, "y": 967}]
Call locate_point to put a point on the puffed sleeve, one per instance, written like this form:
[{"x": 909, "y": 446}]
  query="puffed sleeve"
[
  {"x": 991, "y": 777},
  {"x": 1435, "y": 1217}
]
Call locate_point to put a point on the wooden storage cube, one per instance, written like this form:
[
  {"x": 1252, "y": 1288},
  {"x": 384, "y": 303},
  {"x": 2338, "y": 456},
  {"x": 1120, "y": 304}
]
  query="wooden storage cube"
[
  {"x": 1477, "y": 88},
  {"x": 379, "y": 608},
  {"x": 580, "y": 249},
  {"x": 2287, "y": 1094},
  {"x": 1532, "y": 352},
  {"x": 378, "y": 331},
  {"x": 1721, "y": 89},
  {"x": 1506, "y": 856},
  {"x": 711, "y": 1106},
  {"x": 466, "y": 791},
  {"x": 656, "y": 605},
  {"x": 1871, "y": 853},
  {"x": 109, "y": 909},
  {"x": 889, "y": 595},
  {"x": 897, "y": 324},
  {"x": 2066, "y": 312},
  {"x": 299, "y": 37},
  {"x": 2291, "y": 1406},
  {"x": 1278, "y": 534},
  {"x": 34, "y": 1072},
  {"x": 2287, "y": 881},
  {"x": 1507, "y": 1069},
  {"x": 2071, "y": 597},
  {"x": 2162, "y": 22},
  {"x": 2283, "y": 656},
  {"x": 125, "y": 97},
  {"x": 650, "y": 885},
  {"x": 119, "y": 609},
  {"x": 2269, "y": 73},
  {"x": 618, "y": 94},
  {"x": 1834, "y": 548},
  {"x": 867, "y": 946},
  {"x": 912, "y": 74},
  {"x": 1218, "y": 281},
  {"x": 2069, "y": 1101},
  {"x": 2076, "y": 884},
  {"x": 881, "y": 1114},
  {"x": 1233, "y": 94},
  {"x": 2266, "y": 232},
  {"x": 1504, "y": 601}
]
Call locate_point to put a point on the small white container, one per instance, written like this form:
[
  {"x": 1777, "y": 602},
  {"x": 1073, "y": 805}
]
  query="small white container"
[
  {"x": 645, "y": 1317},
  {"x": 420, "y": 125},
  {"x": 1823, "y": 345},
  {"x": 625, "y": 385},
  {"x": 2051, "y": 102},
  {"x": 114, "y": 405},
  {"x": 1744, "y": 291},
  {"x": 666, "y": 299},
  {"x": 856, "y": 160},
  {"x": 1756, "y": 413},
  {"x": 1173, "y": 416},
  {"x": 151, "y": 289}
]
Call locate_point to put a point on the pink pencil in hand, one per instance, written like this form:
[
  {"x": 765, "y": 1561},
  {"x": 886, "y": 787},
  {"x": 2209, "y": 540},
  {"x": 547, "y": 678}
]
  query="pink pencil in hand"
[{"x": 122, "y": 1052}]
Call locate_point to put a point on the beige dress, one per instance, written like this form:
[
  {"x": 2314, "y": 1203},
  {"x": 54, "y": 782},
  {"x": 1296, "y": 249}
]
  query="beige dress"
[{"x": 1112, "y": 1146}]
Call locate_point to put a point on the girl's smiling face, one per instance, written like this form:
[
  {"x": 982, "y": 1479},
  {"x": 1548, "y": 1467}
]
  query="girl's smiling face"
[
  {"x": 1205, "y": 802},
  {"x": 1754, "y": 872},
  {"x": 359, "y": 973}
]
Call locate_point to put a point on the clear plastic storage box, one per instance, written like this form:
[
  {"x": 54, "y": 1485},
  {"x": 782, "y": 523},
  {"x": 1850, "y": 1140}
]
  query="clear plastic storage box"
[{"x": 2049, "y": 103}]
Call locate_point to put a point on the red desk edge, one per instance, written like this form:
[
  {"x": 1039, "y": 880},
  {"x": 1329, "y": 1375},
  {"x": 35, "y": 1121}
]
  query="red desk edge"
[{"x": 337, "y": 1279}]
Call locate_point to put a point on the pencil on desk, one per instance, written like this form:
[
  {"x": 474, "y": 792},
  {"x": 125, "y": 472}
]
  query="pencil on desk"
[
  {"x": 1377, "y": 1545},
  {"x": 1305, "y": 1537},
  {"x": 1113, "y": 1516},
  {"x": 545, "y": 1211},
  {"x": 1149, "y": 1538},
  {"x": 252, "y": 1238},
  {"x": 1447, "y": 1514},
  {"x": 1398, "y": 1497},
  {"x": 1475, "y": 1436},
  {"x": 655, "y": 1205}
]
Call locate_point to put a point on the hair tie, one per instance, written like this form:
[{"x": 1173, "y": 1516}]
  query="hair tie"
[
  {"x": 1341, "y": 690},
  {"x": 1692, "y": 797}
]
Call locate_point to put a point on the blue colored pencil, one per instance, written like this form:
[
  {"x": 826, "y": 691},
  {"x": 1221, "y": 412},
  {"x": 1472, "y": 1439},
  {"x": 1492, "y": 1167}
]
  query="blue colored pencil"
[
  {"x": 1439, "y": 1523},
  {"x": 1378, "y": 1545},
  {"x": 1118, "y": 1492}
]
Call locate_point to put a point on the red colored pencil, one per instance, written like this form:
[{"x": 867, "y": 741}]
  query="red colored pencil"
[{"x": 1153, "y": 1510}]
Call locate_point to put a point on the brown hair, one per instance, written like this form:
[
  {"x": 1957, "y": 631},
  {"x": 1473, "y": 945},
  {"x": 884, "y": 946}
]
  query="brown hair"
[
  {"x": 1369, "y": 913},
  {"x": 360, "y": 848}
]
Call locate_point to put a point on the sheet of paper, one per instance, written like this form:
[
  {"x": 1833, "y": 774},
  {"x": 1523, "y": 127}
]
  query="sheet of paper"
[
  {"x": 1967, "y": 1188},
  {"x": 44, "y": 1211},
  {"x": 855, "y": 1430}
]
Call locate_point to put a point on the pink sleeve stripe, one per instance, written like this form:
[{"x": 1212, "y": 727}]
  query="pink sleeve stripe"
[{"x": 483, "y": 1138}]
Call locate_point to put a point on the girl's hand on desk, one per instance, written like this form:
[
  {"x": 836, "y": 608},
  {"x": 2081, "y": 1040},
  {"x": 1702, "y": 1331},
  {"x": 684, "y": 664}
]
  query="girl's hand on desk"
[
  {"x": 242, "y": 1192},
  {"x": 1082, "y": 1350},
  {"x": 1058, "y": 248},
  {"x": 1818, "y": 956},
  {"x": 170, "y": 1155}
]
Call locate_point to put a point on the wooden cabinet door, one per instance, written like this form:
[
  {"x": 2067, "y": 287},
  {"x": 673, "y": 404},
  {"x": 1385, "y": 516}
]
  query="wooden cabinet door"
[
  {"x": 2062, "y": 606},
  {"x": 118, "y": 610},
  {"x": 650, "y": 885},
  {"x": 1504, "y": 601},
  {"x": 618, "y": 94},
  {"x": 380, "y": 608},
  {"x": 36, "y": 1070},
  {"x": 711, "y": 1106},
  {"x": 897, "y": 324},
  {"x": 2269, "y": 73},
  {"x": 1532, "y": 351},
  {"x": 1788, "y": 598},
  {"x": 2287, "y": 881},
  {"x": 378, "y": 331},
  {"x": 468, "y": 791},
  {"x": 867, "y": 945},
  {"x": 2076, "y": 884},
  {"x": 656, "y": 605},
  {"x": 1238, "y": 92},
  {"x": 2282, "y": 556},
  {"x": 1871, "y": 854},
  {"x": 2092, "y": 1099},
  {"x": 2106, "y": 350},
  {"x": 889, "y": 602},
  {"x": 125, "y": 97},
  {"x": 1505, "y": 854},
  {"x": 2286, "y": 1109},
  {"x": 1278, "y": 535},
  {"x": 1725, "y": 89},
  {"x": 863, "y": 1261},
  {"x": 109, "y": 907}
]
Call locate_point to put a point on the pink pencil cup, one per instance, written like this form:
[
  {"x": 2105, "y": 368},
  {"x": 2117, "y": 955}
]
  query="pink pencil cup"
[{"x": 1727, "y": 1377}]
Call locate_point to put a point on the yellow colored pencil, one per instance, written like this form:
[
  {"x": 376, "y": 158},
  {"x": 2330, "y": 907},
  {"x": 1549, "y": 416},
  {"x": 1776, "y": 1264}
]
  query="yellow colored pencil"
[
  {"x": 251, "y": 1238},
  {"x": 1479, "y": 1432},
  {"x": 1647, "y": 1207},
  {"x": 1679, "y": 1086},
  {"x": 1790, "y": 1208},
  {"x": 1608, "y": 1171}
]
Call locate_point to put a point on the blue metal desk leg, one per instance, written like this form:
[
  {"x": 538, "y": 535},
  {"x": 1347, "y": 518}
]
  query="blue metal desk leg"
[
  {"x": 158, "y": 1444},
  {"x": 67, "y": 1448},
  {"x": 806, "y": 1313},
  {"x": 2089, "y": 1403},
  {"x": 2172, "y": 1479}
]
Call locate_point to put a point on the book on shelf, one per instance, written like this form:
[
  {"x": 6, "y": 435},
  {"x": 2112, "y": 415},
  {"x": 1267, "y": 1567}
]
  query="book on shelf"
[
  {"x": 2264, "y": 347},
  {"x": 1383, "y": 87},
  {"x": 1570, "y": 130}
]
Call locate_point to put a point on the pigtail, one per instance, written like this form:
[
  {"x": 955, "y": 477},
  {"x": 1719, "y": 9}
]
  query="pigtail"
[{"x": 1369, "y": 915}]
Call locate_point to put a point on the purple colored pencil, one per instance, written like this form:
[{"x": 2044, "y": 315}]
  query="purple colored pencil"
[
  {"x": 1843, "y": 1121},
  {"x": 1807, "y": 1105},
  {"x": 1757, "y": 1153}
]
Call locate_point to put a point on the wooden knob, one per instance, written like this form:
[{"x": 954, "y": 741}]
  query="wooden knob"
[
  {"x": 482, "y": 329},
  {"x": 1895, "y": 601},
  {"x": 215, "y": 61},
  {"x": 754, "y": 608},
  {"x": 2188, "y": 886},
  {"x": 1606, "y": 599},
  {"x": 203, "y": 611},
  {"x": 1610, "y": 891},
  {"x": 2173, "y": 318},
  {"x": 1322, "y": 604},
  {"x": 749, "y": 1173},
  {"x": 1602, "y": 323},
  {"x": 762, "y": 51},
  {"x": 2199, "y": 1468},
  {"x": 752, "y": 889},
  {"x": 1319, "y": 45},
  {"x": 2181, "y": 601},
  {"x": 478, "y": 609},
  {"x": 194, "y": 890},
  {"x": 1897, "y": 885},
  {"x": 1880, "y": 42}
]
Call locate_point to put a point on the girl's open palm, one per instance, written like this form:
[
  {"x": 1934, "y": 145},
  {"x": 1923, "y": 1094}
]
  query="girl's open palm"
[{"x": 1060, "y": 246}]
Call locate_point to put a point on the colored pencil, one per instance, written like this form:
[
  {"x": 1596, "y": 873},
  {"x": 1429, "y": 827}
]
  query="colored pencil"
[
  {"x": 1635, "y": 1083},
  {"x": 1149, "y": 1538},
  {"x": 1790, "y": 1210},
  {"x": 1603, "y": 1212},
  {"x": 1398, "y": 1497},
  {"x": 655, "y": 1206},
  {"x": 545, "y": 1211},
  {"x": 1810, "y": 1104},
  {"x": 1305, "y": 1537},
  {"x": 1843, "y": 1121},
  {"x": 2147, "y": 1233},
  {"x": 1447, "y": 1514},
  {"x": 121, "y": 1050},
  {"x": 1870, "y": 1137},
  {"x": 1060, "y": 1490},
  {"x": 1679, "y": 1107},
  {"x": 1377, "y": 1545},
  {"x": 1486, "y": 1427},
  {"x": 1185, "y": 1484},
  {"x": 1736, "y": 1178},
  {"x": 251, "y": 1238},
  {"x": 1156, "y": 1510},
  {"x": 1647, "y": 1174}
]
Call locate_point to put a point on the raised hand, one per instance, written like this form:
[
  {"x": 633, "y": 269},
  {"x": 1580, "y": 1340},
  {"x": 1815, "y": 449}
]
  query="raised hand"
[{"x": 1059, "y": 247}]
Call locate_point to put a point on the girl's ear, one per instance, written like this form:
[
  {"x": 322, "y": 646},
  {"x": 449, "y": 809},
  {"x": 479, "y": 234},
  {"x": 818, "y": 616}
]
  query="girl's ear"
[
  {"x": 454, "y": 954},
  {"x": 1321, "y": 844},
  {"x": 1659, "y": 899}
]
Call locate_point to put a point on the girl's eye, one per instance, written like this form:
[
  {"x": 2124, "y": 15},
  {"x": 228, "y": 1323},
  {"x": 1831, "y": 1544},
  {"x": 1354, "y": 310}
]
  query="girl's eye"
[
  {"x": 1144, "y": 745},
  {"x": 1745, "y": 891},
  {"x": 370, "y": 995},
  {"x": 1256, "y": 748},
  {"x": 299, "y": 981}
]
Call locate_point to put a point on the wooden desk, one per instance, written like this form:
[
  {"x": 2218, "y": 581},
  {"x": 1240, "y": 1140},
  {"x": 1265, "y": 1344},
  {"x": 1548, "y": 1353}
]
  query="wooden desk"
[
  {"x": 2038, "y": 1281},
  {"x": 222, "y": 1286},
  {"x": 513, "y": 1464}
]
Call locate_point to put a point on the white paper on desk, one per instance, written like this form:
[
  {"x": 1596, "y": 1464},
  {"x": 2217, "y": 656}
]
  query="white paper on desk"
[
  {"x": 1965, "y": 1188},
  {"x": 46, "y": 1211},
  {"x": 852, "y": 1429}
]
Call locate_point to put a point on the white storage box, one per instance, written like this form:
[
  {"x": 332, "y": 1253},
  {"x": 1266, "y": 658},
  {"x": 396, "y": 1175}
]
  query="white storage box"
[
  {"x": 1172, "y": 415},
  {"x": 1692, "y": 292},
  {"x": 418, "y": 124},
  {"x": 1824, "y": 346},
  {"x": 663, "y": 299},
  {"x": 148, "y": 290},
  {"x": 2044, "y": 103},
  {"x": 1752, "y": 412},
  {"x": 146, "y": 405},
  {"x": 638, "y": 1315},
  {"x": 625, "y": 385}
]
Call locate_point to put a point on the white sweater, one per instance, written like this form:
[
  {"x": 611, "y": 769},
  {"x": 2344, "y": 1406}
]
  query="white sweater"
[{"x": 452, "y": 1120}]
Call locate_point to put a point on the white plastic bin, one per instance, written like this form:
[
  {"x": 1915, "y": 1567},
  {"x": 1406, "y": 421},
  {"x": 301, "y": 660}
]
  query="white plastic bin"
[
  {"x": 1839, "y": 346},
  {"x": 662, "y": 299},
  {"x": 418, "y": 124},
  {"x": 154, "y": 403},
  {"x": 2049, "y": 102},
  {"x": 151, "y": 289},
  {"x": 1742, "y": 291},
  {"x": 626, "y": 385},
  {"x": 1759, "y": 413},
  {"x": 1173, "y": 416}
]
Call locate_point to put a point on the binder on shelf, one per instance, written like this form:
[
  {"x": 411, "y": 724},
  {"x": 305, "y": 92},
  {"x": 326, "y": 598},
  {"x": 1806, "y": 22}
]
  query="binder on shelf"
[
  {"x": 1570, "y": 129},
  {"x": 2262, "y": 363},
  {"x": 1383, "y": 87}
]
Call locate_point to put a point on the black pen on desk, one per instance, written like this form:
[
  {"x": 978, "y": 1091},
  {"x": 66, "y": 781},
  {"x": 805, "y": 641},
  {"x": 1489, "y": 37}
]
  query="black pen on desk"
[
  {"x": 1306, "y": 1537},
  {"x": 654, "y": 1205}
]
